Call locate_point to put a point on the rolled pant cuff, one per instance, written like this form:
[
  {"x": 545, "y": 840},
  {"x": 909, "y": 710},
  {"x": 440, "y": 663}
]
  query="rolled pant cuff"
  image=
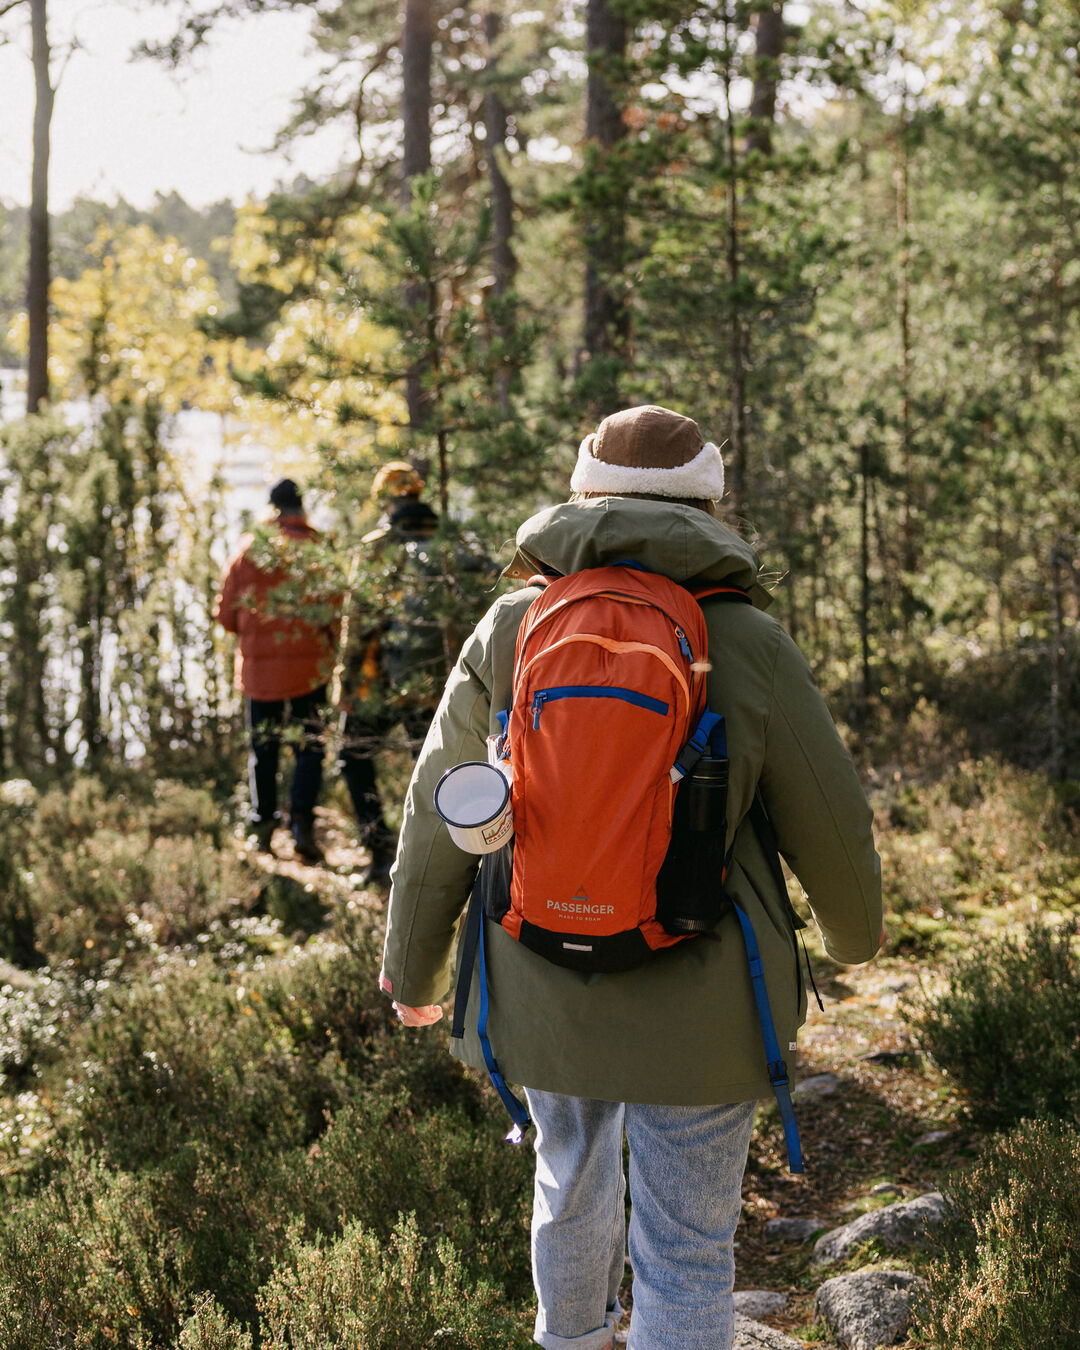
[{"x": 603, "y": 1338}]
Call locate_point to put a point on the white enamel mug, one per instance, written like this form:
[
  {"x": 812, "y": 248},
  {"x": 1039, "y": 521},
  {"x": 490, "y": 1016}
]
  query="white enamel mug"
[{"x": 474, "y": 800}]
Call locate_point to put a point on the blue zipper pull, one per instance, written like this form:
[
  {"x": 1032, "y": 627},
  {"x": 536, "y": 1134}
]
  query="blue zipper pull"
[
  {"x": 537, "y": 705},
  {"x": 684, "y": 646}
]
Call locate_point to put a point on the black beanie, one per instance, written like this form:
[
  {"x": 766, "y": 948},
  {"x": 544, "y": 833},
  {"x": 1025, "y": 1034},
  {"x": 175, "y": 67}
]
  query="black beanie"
[{"x": 285, "y": 495}]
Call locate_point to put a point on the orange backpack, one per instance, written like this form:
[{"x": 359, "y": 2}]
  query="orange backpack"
[
  {"x": 608, "y": 717},
  {"x": 608, "y": 693}
]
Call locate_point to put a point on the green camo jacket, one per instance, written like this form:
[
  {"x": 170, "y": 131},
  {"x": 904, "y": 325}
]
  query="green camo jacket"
[{"x": 681, "y": 1029}]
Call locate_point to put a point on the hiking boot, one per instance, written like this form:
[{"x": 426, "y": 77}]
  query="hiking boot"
[
  {"x": 303, "y": 833},
  {"x": 263, "y": 832}
]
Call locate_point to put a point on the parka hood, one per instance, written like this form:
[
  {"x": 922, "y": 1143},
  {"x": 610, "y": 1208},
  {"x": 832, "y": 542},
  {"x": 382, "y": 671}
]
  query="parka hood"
[{"x": 680, "y": 542}]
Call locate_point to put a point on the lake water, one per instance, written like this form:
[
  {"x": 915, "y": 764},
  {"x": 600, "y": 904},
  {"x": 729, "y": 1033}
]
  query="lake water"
[{"x": 205, "y": 443}]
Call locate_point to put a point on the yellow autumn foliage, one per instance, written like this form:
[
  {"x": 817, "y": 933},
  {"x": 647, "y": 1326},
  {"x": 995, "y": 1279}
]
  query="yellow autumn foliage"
[
  {"x": 128, "y": 328},
  {"x": 326, "y": 353}
]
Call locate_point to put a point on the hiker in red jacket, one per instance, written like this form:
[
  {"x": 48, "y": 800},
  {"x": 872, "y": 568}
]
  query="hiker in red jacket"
[{"x": 279, "y": 603}]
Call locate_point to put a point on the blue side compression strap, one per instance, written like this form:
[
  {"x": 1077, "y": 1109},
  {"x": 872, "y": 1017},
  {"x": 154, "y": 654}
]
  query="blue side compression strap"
[
  {"x": 710, "y": 727},
  {"x": 518, "y": 1114},
  {"x": 777, "y": 1072}
]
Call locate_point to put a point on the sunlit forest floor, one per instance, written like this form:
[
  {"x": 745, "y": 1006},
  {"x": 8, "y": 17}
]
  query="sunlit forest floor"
[{"x": 198, "y": 1066}]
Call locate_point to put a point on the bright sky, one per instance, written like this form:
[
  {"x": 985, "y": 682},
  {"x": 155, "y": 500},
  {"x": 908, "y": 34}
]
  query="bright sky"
[{"x": 130, "y": 128}]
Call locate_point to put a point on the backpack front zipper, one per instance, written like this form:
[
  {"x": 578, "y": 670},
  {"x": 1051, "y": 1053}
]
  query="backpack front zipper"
[{"x": 640, "y": 700}]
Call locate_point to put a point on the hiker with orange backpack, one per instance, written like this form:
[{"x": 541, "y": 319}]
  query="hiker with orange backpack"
[{"x": 631, "y": 957}]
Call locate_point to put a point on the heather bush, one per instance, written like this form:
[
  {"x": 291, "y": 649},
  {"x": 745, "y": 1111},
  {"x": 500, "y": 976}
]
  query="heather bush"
[
  {"x": 380, "y": 1157},
  {"x": 210, "y": 1328},
  {"x": 1006, "y": 1027},
  {"x": 1007, "y": 1276},
  {"x": 363, "y": 1294},
  {"x": 18, "y": 802},
  {"x": 221, "y": 1114},
  {"x": 114, "y": 897},
  {"x": 102, "y": 1256}
]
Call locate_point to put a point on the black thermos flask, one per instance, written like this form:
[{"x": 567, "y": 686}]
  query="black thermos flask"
[{"x": 707, "y": 787}]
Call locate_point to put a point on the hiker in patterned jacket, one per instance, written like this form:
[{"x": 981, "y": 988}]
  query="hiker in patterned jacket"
[
  {"x": 378, "y": 684},
  {"x": 669, "y": 1053}
]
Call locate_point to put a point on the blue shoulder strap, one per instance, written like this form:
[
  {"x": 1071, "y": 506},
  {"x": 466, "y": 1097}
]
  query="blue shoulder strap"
[
  {"x": 518, "y": 1113},
  {"x": 777, "y": 1069},
  {"x": 472, "y": 950}
]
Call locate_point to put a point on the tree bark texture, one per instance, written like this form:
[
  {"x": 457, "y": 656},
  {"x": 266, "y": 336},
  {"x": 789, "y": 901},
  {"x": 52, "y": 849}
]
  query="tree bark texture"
[
  {"x": 37, "y": 285},
  {"x": 864, "y": 581},
  {"x": 607, "y": 324},
  {"x": 502, "y": 203},
  {"x": 417, "y": 41},
  {"x": 768, "y": 49},
  {"x": 736, "y": 326},
  {"x": 503, "y": 262}
]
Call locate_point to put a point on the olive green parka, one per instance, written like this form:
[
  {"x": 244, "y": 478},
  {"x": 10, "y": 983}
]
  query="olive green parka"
[{"x": 683, "y": 1028}]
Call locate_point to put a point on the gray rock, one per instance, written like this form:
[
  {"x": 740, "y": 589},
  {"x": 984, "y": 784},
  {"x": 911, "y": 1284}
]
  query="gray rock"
[
  {"x": 16, "y": 977},
  {"x": 932, "y": 1137},
  {"x": 886, "y": 1188},
  {"x": 893, "y": 1059},
  {"x": 869, "y": 1308},
  {"x": 792, "y": 1230},
  {"x": 821, "y": 1085},
  {"x": 751, "y": 1335},
  {"x": 905, "y": 1224},
  {"x": 758, "y": 1303}
]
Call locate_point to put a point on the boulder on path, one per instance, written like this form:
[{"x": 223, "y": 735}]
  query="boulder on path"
[
  {"x": 750, "y": 1335},
  {"x": 821, "y": 1085},
  {"x": 905, "y": 1224},
  {"x": 758, "y": 1303},
  {"x": 792, "y": 1230},
  {"x": 870, "y": 1308}
]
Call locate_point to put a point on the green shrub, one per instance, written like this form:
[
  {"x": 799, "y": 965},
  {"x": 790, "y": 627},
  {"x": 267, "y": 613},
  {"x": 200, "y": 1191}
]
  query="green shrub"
[
  {"x": 37, "y": 1018},
  {"x": 1008, "y": 1274},
  {"x": 358, "y": 1293},
  {"x": 1007, "y": 1027},
  {"x": 131, "y": 1251},
  {"x": 39, "y": 1266},
  {"x": 129, "y": 800},
  {"x": 210, "y": 1328},
  {"x": 113, "y": 897},
  {"x": 380, "y": 1158},
  {"x": 18, "y": 946},
  {"x": 109, "y": 1254},
  {"x": 190, "y": 1054}
]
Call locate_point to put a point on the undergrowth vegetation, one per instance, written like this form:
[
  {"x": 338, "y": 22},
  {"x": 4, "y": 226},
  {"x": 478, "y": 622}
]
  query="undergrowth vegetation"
[
  {"x": 202, "y": 1113},
  {"x": 1006, "y": 1026},
  {"x": 1008, "y": 1276},
  {"x": 214, "y": 1135}
]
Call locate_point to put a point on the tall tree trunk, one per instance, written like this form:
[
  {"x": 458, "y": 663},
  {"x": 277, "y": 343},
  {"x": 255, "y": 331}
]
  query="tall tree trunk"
[
  {"x": 736, "y": 327},
  {"x": 417, "y": 41},
  {"x": 504, "y": 264},
  {"x": 1058, "y": 563},
  {"x": 37, "y": 286},
  {"x": 908, "y": 549},
  {"x": 607, "y": 325},
  {"x": 768, "y": 49},
  {"x": 502, "y": 202},
  {"x": 864, "y": 582}
]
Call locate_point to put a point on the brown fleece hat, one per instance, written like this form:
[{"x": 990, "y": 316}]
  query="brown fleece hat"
[{"x": 649, "y": 450}]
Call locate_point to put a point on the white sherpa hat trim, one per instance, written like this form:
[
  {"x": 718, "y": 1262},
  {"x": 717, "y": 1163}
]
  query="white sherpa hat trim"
[{"x": 701, "y": 477}]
